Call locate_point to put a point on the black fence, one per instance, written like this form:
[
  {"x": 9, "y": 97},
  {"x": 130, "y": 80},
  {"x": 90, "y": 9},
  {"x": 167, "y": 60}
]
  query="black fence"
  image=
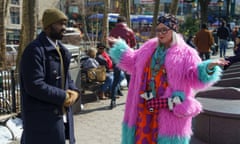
[{"x": 9, "y": 92}]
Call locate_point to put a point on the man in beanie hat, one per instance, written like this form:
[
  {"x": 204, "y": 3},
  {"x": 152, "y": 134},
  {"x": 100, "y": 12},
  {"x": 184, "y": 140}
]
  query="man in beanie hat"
[
  {"x": 47, "y": 91},
  {"x": 51, "y": 16},
  {"x": 165, "y": 72}
]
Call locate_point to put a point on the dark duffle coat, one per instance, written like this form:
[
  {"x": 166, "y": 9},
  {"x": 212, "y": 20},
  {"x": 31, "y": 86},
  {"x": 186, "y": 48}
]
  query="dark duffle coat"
[{"x": 42, "y": 97}]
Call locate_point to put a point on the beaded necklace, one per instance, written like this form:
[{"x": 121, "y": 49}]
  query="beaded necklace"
[{"x": 157, "y": 62}]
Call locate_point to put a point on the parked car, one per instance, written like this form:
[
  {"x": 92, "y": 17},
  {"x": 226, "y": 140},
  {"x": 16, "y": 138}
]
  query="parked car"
[
  {"x": 11, "y": 53},
  {"x": 72, "y": 36}
]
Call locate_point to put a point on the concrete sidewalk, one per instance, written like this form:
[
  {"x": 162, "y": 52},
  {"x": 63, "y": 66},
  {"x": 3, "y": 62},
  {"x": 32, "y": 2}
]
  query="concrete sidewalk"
[{"x": 97, "y": 124}]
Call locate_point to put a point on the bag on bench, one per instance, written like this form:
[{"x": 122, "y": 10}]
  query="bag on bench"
[{"x": 97, "y": 74}]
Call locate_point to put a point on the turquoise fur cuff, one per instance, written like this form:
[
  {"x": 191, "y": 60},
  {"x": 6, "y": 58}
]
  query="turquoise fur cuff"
[
  {"x": 205, "y": 75},
  {"x": 173, "y": 140},
  {"x": 117, "y": 50},
  {"x": 128, "y": 134},
  {"x": 179, "y": 94}
]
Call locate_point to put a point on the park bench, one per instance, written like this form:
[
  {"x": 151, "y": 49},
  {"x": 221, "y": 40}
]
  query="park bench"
[
  {"x": 87, "y": 85},
  {"x": 82, "y": 82}
]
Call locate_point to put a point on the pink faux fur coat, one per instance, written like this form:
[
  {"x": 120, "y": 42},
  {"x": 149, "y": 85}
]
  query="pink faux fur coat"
[{"x": 185, "y": 73}]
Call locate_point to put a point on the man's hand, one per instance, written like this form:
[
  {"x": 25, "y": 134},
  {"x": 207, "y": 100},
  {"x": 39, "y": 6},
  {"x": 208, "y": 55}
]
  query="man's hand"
[{"x": 71, "y": 97}]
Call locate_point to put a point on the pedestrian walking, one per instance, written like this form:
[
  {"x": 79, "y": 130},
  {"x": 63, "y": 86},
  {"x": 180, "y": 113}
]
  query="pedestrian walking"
[
  {"x": 47, "y": 91},
  {"x": 121, "y": 30},
  {"x": 204, "y": 41},
  {"x": 223, "y": 34},
  {"x": 165, "y": 72}
]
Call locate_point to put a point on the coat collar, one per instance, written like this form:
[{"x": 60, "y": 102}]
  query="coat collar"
[{"x": 48, "y": 46}]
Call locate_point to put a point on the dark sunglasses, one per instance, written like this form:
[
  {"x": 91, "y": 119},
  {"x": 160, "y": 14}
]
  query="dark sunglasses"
[{"x": 162, "y": 30}]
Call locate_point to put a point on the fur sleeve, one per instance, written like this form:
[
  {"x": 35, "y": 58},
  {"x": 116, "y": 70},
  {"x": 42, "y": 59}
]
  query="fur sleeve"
[
  {"x": 122, "y": 55},
  {"x": 203, "y": 75}
]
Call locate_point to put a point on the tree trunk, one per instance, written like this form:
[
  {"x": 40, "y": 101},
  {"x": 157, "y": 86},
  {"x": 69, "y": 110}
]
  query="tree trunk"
[
  {"x": 3, "y": 13},
  {"x": 105, "y": 22},
  {"x": 227, "y": 10},
  {"x": 204, "y": 10},
  {"x": 83, "y": 15},
  {"x": 174, "y": 7},
  {"x": 155, "y": 17},
  {"x": 128, "y": 7},
  {"x": 29, "y": 26},
  {"x": 125, "y": 11}
]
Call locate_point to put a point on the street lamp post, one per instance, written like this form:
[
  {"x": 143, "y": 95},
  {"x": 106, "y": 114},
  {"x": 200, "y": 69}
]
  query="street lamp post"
[{"x": 220, "y": 4}]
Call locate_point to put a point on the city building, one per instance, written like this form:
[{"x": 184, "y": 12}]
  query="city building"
[
  {"x": 13, "y": 21},
  {"x": 14, "y": 17},
  {"x": 75, "y": 9}
]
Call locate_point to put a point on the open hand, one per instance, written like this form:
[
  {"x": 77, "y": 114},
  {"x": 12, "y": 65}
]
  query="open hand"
[
  {"x": 112, "y": 40},
  {"x": 219, "y": 62}
]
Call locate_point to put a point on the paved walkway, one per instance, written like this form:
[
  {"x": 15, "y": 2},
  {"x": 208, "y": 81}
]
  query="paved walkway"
[{"x": 97, "y": 124}]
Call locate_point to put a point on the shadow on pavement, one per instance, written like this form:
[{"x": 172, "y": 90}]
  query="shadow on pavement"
[{"x": 102, "y": 108}]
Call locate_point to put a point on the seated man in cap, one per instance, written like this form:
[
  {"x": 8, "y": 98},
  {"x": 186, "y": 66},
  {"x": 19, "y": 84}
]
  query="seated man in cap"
[
  {"x": 47, "y": 91},
  {"x": 236, "y": 57}
]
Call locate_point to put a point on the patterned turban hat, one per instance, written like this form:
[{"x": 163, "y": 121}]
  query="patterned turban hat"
[{"x": 169, "y": 20}]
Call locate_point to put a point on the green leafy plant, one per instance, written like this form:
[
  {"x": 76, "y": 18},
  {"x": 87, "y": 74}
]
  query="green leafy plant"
[{"x": 190, "y": 26}]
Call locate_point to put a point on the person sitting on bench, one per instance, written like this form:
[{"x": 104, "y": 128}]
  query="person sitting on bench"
[{"x": 91, "y": 62}]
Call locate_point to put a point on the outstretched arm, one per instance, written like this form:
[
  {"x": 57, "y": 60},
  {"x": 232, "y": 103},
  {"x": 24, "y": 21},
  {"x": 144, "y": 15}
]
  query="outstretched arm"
[{"x": 121, "y": 54}]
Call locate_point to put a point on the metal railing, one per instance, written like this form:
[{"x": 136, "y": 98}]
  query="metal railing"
[{"x": 9, "y": 92}]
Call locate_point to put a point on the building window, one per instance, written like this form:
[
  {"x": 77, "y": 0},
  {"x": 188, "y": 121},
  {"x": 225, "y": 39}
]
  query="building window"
[
  {"x": 13, "y": 36},
  {"x": 15, "y": 2},
  {"x": 15, "y": 15},
  {"x": 73, "y": 9}
]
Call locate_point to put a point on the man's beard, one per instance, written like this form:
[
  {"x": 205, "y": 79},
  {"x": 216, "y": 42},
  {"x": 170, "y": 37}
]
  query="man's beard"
[{"x": 56, "y": 35}]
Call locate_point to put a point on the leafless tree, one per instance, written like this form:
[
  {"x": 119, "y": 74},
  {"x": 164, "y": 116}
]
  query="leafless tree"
[
  {"x": 3, "y": 13},
  {"x": 105, "y": 22},
  {"x": 155, "y": 16},
  {"x": 174, "y": 7},
  {"x": 125, "y": 10},
  {"x": 29, "y": 26},
  {"x": 204, "y": 10}
]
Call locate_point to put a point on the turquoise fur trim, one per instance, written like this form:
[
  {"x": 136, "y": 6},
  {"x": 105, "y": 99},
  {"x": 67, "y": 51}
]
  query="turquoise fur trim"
[
  {"x": 179, "y": 94},
  {"x": 173, "y": 140},
  {"x": 128, "y": 134},
  {"x": 117, "y": 50},
  {"x": 203, "y": 75}
]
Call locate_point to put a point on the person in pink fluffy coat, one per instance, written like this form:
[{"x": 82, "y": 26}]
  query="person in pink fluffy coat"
[{"x": 165, "y": 74}]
